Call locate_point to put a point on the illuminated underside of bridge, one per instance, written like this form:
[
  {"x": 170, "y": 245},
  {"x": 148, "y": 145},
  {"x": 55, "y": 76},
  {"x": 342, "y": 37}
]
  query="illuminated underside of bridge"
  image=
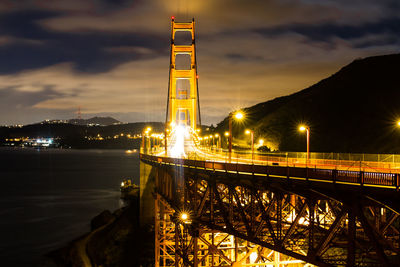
[{"x": 218, "y": 213}]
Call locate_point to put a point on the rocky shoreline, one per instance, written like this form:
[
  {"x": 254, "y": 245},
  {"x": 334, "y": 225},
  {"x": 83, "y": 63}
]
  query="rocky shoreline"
[{"x": 116, "y": 239}]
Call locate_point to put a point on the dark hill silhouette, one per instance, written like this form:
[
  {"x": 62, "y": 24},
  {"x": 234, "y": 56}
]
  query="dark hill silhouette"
[
  {"x": 101, "y": 121},
  {"x": 72, "y": 135},
  {"x": 354, "y": 110}
]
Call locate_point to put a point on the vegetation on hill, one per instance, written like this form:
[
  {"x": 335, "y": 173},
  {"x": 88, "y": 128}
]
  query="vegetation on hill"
[
  {"x": 354, "y": 110},
  {"x": 102, "y": 121}
]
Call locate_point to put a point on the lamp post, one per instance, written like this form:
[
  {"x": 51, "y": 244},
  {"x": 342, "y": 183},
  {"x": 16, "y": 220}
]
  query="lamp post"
[
  {"x": 251, "y": 132},
  {"x": 307, "y": 129},
  {"x": 238, "y": 116},
  {"x": 219, "y": 140},
  {"x": 165, "y": 140},
  {"x": 144, "y": 133}
]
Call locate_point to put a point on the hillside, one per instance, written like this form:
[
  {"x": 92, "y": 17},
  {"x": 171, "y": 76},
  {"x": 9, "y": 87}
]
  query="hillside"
[
  {"x": 354, "y": 110},
  {"x": 101, "y": 121},
  {"x": 81, "y": 136}
]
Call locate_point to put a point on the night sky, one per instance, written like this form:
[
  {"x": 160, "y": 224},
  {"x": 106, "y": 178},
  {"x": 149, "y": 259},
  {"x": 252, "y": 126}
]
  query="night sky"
[{"x": 112, "y": 57}]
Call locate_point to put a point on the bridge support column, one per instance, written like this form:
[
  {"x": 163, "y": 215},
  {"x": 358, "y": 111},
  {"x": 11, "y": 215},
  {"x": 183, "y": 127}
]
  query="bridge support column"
[{"x": 148, "y": 175}]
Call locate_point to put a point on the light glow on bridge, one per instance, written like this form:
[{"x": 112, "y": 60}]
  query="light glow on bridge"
[{"x": 179, "y": 134}]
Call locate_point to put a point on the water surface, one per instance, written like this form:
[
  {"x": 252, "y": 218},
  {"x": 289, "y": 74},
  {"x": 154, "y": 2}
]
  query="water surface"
[{"x": 48, "y": 196}]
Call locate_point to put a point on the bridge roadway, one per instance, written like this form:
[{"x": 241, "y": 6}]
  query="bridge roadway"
[
  {"x": 363, "y": 205},
  {"x": 352, "y": 173}
]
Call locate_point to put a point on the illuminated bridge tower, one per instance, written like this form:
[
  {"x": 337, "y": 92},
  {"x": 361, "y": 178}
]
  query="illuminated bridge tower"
[{"x": 183, "y": 96}]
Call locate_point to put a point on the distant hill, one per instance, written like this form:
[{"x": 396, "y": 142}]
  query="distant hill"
[
  {"x": 78, "y": 136},
  {"x": 101, "y": 121},
  {"x": 63, "y": 130},
  {"x": 354, "y": 110}
]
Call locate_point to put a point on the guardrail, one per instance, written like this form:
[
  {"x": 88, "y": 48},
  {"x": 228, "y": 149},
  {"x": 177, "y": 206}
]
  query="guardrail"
[
  {"x": 360, "y": 178},
  {"x": 365, "y": 162}
]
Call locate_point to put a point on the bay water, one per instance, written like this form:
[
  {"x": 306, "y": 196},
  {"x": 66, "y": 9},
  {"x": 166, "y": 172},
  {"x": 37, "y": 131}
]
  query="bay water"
[{"x": 49, "y": 196}]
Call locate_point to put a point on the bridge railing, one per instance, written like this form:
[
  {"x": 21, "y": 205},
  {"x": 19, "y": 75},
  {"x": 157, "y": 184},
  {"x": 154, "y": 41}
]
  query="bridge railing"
[
  {"x": 345, "y": 161},
  {"x": 367, "y": 178},
  {"x": 372, "y": 163}
]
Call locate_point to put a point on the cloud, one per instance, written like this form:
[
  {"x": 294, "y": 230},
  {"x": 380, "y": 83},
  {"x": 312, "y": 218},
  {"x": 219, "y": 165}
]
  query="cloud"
[
  {"x": 326, "y": 32},
  {"x": 112, "y": 57}
]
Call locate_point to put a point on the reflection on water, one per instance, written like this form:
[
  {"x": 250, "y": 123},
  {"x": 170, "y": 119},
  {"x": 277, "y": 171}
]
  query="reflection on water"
[{"x": 47, "y": 197}]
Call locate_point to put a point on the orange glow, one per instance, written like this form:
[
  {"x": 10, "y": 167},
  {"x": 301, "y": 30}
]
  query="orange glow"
[
  {"x": 303, "y": 128},
  {"x": 239, "y": 115}
]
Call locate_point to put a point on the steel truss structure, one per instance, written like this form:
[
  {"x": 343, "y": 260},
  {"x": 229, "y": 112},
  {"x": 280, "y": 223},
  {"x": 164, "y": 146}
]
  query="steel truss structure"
[
  {"x": 181, "y": 243},
  {"x": 253, "y": 222}
]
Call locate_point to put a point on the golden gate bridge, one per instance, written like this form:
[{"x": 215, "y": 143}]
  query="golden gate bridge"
[{"x": 214, "y": 207}]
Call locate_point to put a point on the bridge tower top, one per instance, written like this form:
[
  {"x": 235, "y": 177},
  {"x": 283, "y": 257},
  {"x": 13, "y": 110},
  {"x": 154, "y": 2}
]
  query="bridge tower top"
[{"x": 183, "y": 95}]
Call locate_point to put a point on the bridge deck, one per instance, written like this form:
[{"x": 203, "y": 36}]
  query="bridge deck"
[{"x": 387, "y": 180}]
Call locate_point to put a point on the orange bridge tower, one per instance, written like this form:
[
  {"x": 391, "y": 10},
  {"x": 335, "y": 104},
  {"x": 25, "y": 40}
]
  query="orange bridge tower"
[{"x": 183, "y": 106}]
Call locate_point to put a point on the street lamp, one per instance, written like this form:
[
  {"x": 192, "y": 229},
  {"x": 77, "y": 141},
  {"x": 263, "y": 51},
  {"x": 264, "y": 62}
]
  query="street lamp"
[
  {"x": 238, "y": 116},
  {"x": 144, "y": 133},
  {"x": 219, "y": 140},
  {"x": 251, "y": 132},
  {"x": 303, "y": 128},
  {"x": 184, "y": 217},
  {"x": 261, "y": 142},
  {"x": 398, "y": 123}
]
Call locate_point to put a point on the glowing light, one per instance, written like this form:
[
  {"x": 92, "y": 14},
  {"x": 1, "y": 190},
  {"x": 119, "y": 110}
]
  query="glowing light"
[
  {"x": 148, "y": 129},
  {"x": 247, "y": 131},
  {"x": 216, "y": 135},
  {"x": 172, "y": 17},
  {"x": 184, "y": 216},
  {"x": 226, "y": 134},
  {"x": 398, "y": 123},
  {"x": 302, "y": 128},
  {"x": 179, "y": 134},
  {"x": 128, "y": 151},
  {"x": 261, "y": 142},
  {"x": 239, "y": 115},
  {"x": 122, "y": 184}
]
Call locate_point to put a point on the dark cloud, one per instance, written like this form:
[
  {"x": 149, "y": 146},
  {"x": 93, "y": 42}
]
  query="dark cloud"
[
  {"x": 242, "y": 57},
  {"x": 117, "y": 51},
  {"x": 326, "y": 32},
  {"x": 87, "y": 51},
  {"x": 12, "y": 98}
]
